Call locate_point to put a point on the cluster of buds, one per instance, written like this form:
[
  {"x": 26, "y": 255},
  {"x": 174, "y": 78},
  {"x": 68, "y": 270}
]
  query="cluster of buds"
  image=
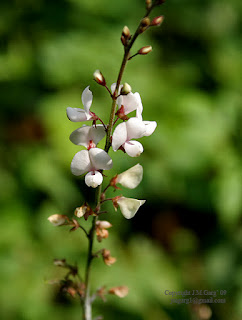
[{"x": 101, "y": 229}]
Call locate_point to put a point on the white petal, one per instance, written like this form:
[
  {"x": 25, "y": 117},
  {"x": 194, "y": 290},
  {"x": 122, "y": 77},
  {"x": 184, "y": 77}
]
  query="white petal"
[
  {"x": 80, "y": 136},
  {"x": 76, "y": 114},
  {"x": 139, "y": 109},
  {"x": 87, "y": 101},
  {"x": 119, "y": 136},
  {"x": 57, "y": 219},
  {"x": 113, "y": 86},
  {"x": 100, "y": 159},
  {"x": 119, "y": 101},
  {"x": 93, "y": 179},
  {"x": 129, "y": 206},
  {"x": 97, "y": 133},
  {"x": 129, "y": 102},
  {"x": 132, "y": 177},
  {"x": 135, "y": 128},
  {"x": 150, "y": 127},
  {"x": 133, "y": 148},
  {"x": 81, "y": 163}
]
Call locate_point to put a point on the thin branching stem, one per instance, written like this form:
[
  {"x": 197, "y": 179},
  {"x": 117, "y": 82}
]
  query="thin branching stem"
[{"x": 87, "y": 300}]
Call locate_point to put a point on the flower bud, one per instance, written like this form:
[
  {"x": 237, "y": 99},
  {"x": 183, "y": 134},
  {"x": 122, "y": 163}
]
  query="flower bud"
[
  {"x": 125, "y": 37},
  {"x": 102, "y": 224},
  {"x": 126, "y": 32},
  {"x": 57, "y": 219},
  {"x": 145, "y": 50},
  {"x": 125, "y": 89},
  {"x": 145, "y": 22},
  {"x": 120, "y": 291},
  {"x": 99, "y": 78},
  {"x": 157, "y": 21},
  {"x": 148, "y": 4}
]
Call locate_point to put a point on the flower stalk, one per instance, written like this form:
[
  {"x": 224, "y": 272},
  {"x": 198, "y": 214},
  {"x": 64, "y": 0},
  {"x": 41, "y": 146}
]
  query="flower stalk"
[{"x": 93, "y": 161}]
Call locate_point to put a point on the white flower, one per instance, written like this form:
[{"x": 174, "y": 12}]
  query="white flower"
[
  {"x": 129, "y": 206},
  {"x": 93, "y": 179},
  {"x": 88, "y": 136},
  {"x": 57, "y": 219},
  {"x": 139, "y": 109},
  {"x": 91, "y": 161},
  {"x": 134, "y": 128},
  {"x": 127, "y": 103},
  {"x": 132, "y": 177},
  {"x": 79, "y": 115}
]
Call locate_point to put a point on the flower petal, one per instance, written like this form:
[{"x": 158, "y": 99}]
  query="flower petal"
[
  {"x": 133, "y": 148},
  {"x": 93, "y": 179},
  {"x": 113, "y": 86},
  {"x": 100, "y": 159},
  {"x": 150, "y": 127},
  {"x": 80, "y": 163},
  {"x": 87, "y": 101},
  {"x": 132, "y": 177},
  {"x": 129, "y": 206},
  {"x": 80, "y": 136},
  {"x": 97, "y": 133},
  {"x": 119, "y": 136},
  {"x": 135, "y": 128},
  {"x": 76, "y": 114},
  {"x": 57, "y": 219},
  {"x": 139, "y": 109},
  {"x": 129, "y": 102}
]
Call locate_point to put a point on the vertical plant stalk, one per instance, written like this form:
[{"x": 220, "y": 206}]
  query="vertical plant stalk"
[{"x": 87, "y": 303}]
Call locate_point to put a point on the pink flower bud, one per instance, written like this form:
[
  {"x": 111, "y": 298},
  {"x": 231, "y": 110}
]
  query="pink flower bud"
[
  {"x": 125, "y": 37},
  {"x": 145, "y": 50},
  {"x": 126, "y": 32},
  {"x": 157, "y": 21},
  {"x": 99, "y": 78}
]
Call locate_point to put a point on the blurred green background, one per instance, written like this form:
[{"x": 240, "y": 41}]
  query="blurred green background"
[{"x": 188, "y": 235}]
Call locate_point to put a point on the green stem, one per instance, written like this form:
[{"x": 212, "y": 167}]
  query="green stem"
[{"x": 87, "y": 308}]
